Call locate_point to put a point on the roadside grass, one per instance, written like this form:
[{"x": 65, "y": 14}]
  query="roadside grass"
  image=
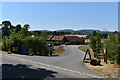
[
  {"x": 0, "y": 45},
  {"x": 85, "y": 47},
  {"x": 58, "y": 51}
]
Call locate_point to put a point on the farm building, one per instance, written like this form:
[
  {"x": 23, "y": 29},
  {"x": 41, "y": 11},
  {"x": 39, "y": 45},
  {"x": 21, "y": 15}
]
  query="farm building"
[
  {"x": 73, "y": 40},
  {"x": 64, "y": 39}
]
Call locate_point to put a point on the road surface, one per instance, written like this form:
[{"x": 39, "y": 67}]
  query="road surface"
[{"x": 67, "y": 65}]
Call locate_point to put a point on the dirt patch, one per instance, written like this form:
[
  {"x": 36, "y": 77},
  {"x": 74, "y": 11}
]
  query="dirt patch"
[
  {"x": 106, "y": 70},
  {"x": 3, "y": 52}
]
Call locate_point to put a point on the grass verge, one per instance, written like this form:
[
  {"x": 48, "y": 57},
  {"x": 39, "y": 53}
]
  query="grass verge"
[
  {"x": 58, "y": 51},
  {"x": 85, "y": 47}
]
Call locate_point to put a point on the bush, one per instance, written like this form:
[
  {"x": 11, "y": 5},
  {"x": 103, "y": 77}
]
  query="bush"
[
  {"x": 13, "y": 39},
  {"x": 82, "y": 41},
  {"x": 5, "y": 44},
  {"x": 37, "y": 45},
  {"x": 112, "y": 46},
  {"x": 95, "y": 44}
]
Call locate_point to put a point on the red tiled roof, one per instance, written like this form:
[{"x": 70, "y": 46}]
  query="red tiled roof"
[{"x": 58, "y": 38}]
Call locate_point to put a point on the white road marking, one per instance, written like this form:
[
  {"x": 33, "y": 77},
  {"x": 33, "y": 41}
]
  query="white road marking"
[{"x": 59, "y": 68}]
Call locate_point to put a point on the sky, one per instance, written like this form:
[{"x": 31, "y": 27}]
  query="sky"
[{"x": 62, "y": 15}]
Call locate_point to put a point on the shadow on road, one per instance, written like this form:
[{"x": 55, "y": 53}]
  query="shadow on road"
[{"x": 25, "y": 71}]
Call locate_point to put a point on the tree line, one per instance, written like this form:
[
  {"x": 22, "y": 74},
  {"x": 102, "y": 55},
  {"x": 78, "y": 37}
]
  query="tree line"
[{"x": 50, "y": 32}]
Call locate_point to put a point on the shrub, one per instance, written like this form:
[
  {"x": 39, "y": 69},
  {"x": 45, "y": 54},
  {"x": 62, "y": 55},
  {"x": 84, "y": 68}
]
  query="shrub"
[
  {"x": 13, "y": 39},
  {"x": 82, "y": 41},
  {"x": 95, "y": 44},
  {"x": 5, "y": 44},
  {"x": 112, "y": 46},
  {"x": 37, "y": 45}
]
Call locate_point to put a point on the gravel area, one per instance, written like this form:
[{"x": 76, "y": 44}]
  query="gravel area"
[{"x": 106, "y": 70}]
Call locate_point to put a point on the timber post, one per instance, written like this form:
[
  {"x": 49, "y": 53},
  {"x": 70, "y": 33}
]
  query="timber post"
[{"x": 105, "y": 55}]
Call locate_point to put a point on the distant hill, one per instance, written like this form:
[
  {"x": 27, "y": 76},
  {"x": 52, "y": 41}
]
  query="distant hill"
[
  {"x": 45, "y": 30},
  {"x": 83, "y": 31},
  {"x": 86, "y": 31},
  {"x": 66, "y": 30},
  {"x": 40, "y": 30}
]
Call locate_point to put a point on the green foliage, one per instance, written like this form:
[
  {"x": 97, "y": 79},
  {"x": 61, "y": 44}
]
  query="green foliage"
[
  {"x": 44, "y": 35},
  {"x": 21, "y": 37},
  {"x": 16, "y": 38},
  {"x": 112, "y": 46},
  {"x": 5, "y": 43},
  {"x": 37, "y": 45},
  {"x": 7, "y": 26},
  {"x": 18, "y": 28},
  {"x": 0, "y": 35},
  {"x": 95, "y": 43},
  {"x": 82, "y": 41},
  {"x": 67, "y": 43},
  {"x": 104, "y": 35}
]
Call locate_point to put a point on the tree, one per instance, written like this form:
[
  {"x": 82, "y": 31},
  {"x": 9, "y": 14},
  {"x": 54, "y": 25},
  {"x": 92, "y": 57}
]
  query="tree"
[
  {"x": 7, "y": 26},
  {"x": 44, "y": 35},
  {"x": 54, "y": 33},
  {"x": 5, "y": 31},
  {"x": 104, "y": 35},
  {"x": 95, "y": 43},
  {"x": 37, "y": 45},
  {"x": 112, "y": 44},
  {"x": 26, "y": 27},
  {"x": 19, "y": 36},
  {"x": 18, "y": 27},
  {"x": 63, "y": 33},
  {"x": 118, "y": 47},
  {"x": 0, "y": 35},
  {"x": 24, "y": 30}
]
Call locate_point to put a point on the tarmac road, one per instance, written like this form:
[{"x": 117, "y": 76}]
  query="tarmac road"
[{"x": 67, "y": 65}]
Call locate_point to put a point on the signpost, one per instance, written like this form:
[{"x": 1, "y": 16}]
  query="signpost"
[{"x": 87, "y": 52}]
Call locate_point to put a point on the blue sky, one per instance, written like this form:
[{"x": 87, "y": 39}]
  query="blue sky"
[{"x": 62, "y": 15}]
